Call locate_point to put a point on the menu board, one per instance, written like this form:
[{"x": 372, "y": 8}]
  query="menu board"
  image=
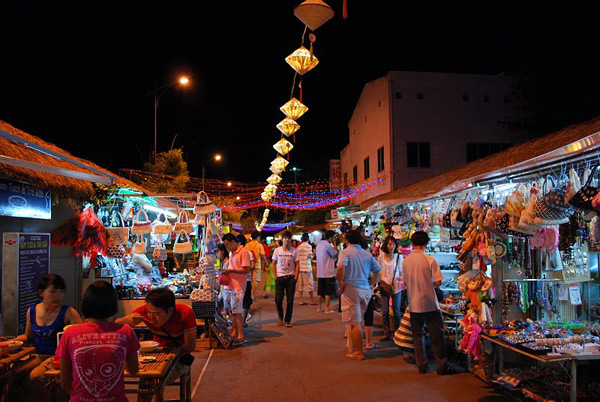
[{"x": 34, "y": 262}]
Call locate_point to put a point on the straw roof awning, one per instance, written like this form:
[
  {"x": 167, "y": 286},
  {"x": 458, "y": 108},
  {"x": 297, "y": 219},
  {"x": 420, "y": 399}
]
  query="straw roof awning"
[
  {"x": 19, "y": 161},
  {"x": 562, "y": 144}
]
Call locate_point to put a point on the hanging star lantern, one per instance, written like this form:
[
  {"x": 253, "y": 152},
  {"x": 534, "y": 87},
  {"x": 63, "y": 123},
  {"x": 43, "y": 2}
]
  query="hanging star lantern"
[
  {"x": 288, "y": 126},
  {"x": 283, "y": 146},
  {"x": 279, "y": 163},
  {"x": 293, "y": 109},
  {"x": 274, "y": 179},
  {"x": 302, "y": 61}
]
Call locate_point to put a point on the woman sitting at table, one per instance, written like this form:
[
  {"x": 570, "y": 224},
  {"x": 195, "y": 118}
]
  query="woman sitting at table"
[
  {"x": 44, "y": 321},
  {"x": 93, "y": 355}
]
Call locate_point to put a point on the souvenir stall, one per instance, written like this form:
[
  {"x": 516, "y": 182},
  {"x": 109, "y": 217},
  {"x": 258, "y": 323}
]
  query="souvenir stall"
[
  {"x": 158, "y": 241},
  {"x": 526, "y": 247}
]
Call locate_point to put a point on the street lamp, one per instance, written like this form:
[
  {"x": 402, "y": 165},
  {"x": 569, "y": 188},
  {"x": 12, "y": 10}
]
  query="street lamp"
[
  {"x": 296, "y": 170},
  {"x": 183, "y": 81},
  {"x": 216, "y": 158}
]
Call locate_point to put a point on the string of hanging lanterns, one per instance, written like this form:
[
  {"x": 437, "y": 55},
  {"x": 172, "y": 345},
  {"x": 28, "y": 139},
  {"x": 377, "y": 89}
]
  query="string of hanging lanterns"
[{"x": 313, "y": 14}]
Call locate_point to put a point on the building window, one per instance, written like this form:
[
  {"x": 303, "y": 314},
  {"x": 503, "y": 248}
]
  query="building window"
[
  {"x": 477, "y": 151},
  {"x": 420, "y": 95},
  {"x": 355, "y": 174},
  {"x": 380, "y": 160},
  {"x": 486, "y": 98},
  {"x": 465, "y": 98},
  {"x": 398, "y": 95},
  {"x": 345, "y": 180},
  {"x": 418, "y": 154},
  {"x": 366, "y": 166}
]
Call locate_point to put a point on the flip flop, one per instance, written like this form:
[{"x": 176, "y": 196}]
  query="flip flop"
[
  {"x": 319, "y": 310},
  {"x": 373, "y": 346},
  {"x": 355, "y": 357},
  {"x": 303, "y": 303},
  {"x": 314, "y": 303},
  {"x": 330, "y": 311}
]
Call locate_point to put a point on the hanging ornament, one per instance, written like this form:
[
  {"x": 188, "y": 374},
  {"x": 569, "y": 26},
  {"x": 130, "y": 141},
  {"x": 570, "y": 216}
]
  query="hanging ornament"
[
  {"x": 283, "y": 146},
  {"x": 302, "y": 61},
  {"x": 279, "y": 162},
  {"x": 270, "y": 189},
  {"x": 288, "y": 126},
  {"x": 313, "y": 13},
  {"x": 293, "y": 109},
  {"x": 274, "y": 179},
  {"x": 276, "y": 169}
]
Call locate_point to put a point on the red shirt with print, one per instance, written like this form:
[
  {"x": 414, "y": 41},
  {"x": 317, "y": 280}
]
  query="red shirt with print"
[{"x": 171, "y": 334}]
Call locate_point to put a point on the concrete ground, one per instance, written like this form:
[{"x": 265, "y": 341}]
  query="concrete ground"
[{"x": 307, "y": 363}]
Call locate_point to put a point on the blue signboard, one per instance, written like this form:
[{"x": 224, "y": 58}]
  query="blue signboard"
[
  {"x": 23, "y": 200},
  {"x": 34, "y": 262}
]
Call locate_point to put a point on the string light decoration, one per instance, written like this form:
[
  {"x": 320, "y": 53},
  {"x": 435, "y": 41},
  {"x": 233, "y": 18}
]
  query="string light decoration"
[
  {"x": 294, "y": 109},
  {"x": 302, "y": 61},
  {"x": 283, "y": 146}
]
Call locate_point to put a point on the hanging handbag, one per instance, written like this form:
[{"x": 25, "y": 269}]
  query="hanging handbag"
[
  {"x": 160, "y": 226},
  {"x": 183, "y": 224},
  {"x": 552, "y": 206},
  {"x": 203, "y": 205},
  {"x": 119, "y": 234},
  {"x": 583, "y": 198},
  {"x": 183, "y": 247},
  {"x": 140, "y": 245},
  {"x": 141, "y": 226},
  {"x": 160, "y": 252},
  {"x": 555, "y": 198},
  {"x": 115, "y": 250}
]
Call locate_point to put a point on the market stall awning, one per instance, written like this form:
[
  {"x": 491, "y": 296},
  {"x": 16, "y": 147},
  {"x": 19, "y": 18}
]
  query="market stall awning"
[{"x": 570, "y": 141}]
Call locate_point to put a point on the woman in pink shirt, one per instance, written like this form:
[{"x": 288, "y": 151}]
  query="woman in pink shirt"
[{"x": 94, "y": 354}]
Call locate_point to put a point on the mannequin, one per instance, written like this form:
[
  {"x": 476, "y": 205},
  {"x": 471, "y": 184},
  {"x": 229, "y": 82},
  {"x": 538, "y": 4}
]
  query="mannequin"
[{"x": 142, "y": 261}]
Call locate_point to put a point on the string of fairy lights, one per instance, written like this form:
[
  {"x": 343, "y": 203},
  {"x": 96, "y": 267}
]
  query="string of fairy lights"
[{"x": 313, "y": 14}]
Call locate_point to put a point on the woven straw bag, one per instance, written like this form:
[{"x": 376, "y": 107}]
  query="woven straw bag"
[
  {"x": 160, "y": 226},
  {"x": 183, "y": 224},
  {"x": 119, "y": 234},
  {"x": 203, "y": 205},
  {"x": 140, "y": 245},
  {"x": 183, "y": 247},
  {"x": 141, "y": 226}
]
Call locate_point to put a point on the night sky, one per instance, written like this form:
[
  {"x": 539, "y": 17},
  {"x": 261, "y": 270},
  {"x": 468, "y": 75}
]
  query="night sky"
[{"x": 79, "y": 75}]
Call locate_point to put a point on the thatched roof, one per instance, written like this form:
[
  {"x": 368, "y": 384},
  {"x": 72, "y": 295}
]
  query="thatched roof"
[
  {"x": 65, "y": 187},
  {"x": 552, "y": 146}
]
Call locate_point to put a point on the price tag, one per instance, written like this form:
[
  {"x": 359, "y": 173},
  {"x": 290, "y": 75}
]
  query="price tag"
[
  {"x": 575, "y": 295},
  {"x": 563, "y": 293}
]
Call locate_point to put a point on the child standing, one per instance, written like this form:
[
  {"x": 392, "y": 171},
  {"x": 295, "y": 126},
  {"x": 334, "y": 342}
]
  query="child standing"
[{"x": 94, "y": 354}]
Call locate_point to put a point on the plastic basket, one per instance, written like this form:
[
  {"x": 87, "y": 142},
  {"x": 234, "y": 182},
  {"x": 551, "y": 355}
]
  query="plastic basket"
[{"x": 204, "y": 309}]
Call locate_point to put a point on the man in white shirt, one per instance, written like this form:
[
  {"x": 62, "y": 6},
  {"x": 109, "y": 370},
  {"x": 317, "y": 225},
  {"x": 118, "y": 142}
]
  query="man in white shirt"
[
  {"x": 421, "y": 274},
  {"x": 325, "y": 254},
  {"x": 305, "y": 277},
  {"x": 285, "y": 270}
]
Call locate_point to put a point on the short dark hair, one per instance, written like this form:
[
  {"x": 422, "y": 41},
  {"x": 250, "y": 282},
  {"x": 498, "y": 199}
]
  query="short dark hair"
[
  {"x": 241, "y": 239},
  {"x": 353, "y": 236},
  {"x": 99, "y": 301},
  {"x": 419, "y": 238},
  {"x": 287, "y": 234},
  {"x": 255, "y": 235},
  {"x": 223, "y": 248},
  {"x": 51, "y": 280},
  {"x": 304, "y": 237},
  {"x": 329, "y": 234},
  {"x": 386, "y": 241},
  {"x": 230, "y": 237},
  {"x": 162, "y": 298}
]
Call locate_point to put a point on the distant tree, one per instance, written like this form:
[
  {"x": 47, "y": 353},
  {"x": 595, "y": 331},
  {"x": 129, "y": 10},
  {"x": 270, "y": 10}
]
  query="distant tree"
[{"x": 171, "y": 172}]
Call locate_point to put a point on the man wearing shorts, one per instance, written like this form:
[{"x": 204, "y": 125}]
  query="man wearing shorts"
[
  {"x": 238, "y": 268},
  {"x": 305, "y": 277},
  {"x": 354, "y": 266},
  {"x": 326, "y": 253},
  {"x": 260, "y": 260}
]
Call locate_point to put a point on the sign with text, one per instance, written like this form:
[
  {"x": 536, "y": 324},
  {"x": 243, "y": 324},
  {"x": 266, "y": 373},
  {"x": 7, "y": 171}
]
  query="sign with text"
[
  {"x": 343, "y": 211},
  {"x": 23, "y": 200},
  {"x": 34, "y": 262},
  {"x": 335, "y": 174}
]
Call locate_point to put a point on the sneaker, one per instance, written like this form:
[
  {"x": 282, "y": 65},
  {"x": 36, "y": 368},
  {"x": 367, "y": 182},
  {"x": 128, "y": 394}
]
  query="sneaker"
[{"x": 249, "y": 317}]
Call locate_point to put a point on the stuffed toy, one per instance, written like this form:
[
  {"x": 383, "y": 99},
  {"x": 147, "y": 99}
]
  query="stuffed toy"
[{"x": 470, "y": 341}]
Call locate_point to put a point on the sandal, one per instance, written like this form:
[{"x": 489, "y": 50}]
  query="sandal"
[
  {"x": 288, "y": 324},
  {"x": 313, "y": 303},
  {"x": 373, "y": 346},
  {"x": 355, "y": 356},
  {"x": 303, "y": 303}
]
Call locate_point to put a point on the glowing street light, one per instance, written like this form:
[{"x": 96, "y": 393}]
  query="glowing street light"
[
  {"x": 216, "y": 158},
  {"x": 228, "y": 184}
]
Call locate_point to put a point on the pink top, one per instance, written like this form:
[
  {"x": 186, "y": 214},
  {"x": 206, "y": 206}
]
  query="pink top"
[
  {"x": 237, "y": 260},
  {"x": 97, "y": 352}
]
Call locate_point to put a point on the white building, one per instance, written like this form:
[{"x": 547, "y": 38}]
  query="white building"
[{"x": 408, "y": 126}]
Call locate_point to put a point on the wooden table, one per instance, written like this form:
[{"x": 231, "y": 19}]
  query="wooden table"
[
  {"x": 500, "y": 345},
  {"x": 8, "y": 364},
  {"x": 150, "y": 379}
]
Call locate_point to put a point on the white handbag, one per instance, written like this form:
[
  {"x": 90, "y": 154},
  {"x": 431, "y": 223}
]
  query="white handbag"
[
  {"x": 162, "y": 227},
  {"x": 119, "y": 234},
  {"x": 184, "y": 247},
  {"x": 139, "y": 226},
  {"x": 203, "y": 205}
]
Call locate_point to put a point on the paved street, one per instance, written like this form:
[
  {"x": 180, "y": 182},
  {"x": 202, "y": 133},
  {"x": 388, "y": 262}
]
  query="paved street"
[{"x": 307, "y": 363}]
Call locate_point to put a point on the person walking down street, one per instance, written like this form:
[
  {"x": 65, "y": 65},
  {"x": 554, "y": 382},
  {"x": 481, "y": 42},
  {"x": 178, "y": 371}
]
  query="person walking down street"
[
  {"x": 390, "y": 286},
  {"x": 247, "y": 301},
  {"x": 285, "y": 269},
  {"x": 421, "y": 273},
  {"x": 326, "y": 254},
  {"x": 354, "y": 267},
  {"x": 305, "y": 276},
  {"x": 260, "y": 260}
]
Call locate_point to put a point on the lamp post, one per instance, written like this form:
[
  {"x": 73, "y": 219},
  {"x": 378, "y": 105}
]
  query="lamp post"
[
  {"x": 216, "y": 158},
  {"x": 157, "y": 94},
  {"x": 296, "y": 170}
]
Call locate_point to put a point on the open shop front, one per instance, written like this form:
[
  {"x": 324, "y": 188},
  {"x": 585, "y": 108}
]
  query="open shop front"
[{"x": 527, "y": 279}]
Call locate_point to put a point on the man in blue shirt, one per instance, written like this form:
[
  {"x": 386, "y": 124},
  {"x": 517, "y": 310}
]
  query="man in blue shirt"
[{"x": 354, "y": 268}]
